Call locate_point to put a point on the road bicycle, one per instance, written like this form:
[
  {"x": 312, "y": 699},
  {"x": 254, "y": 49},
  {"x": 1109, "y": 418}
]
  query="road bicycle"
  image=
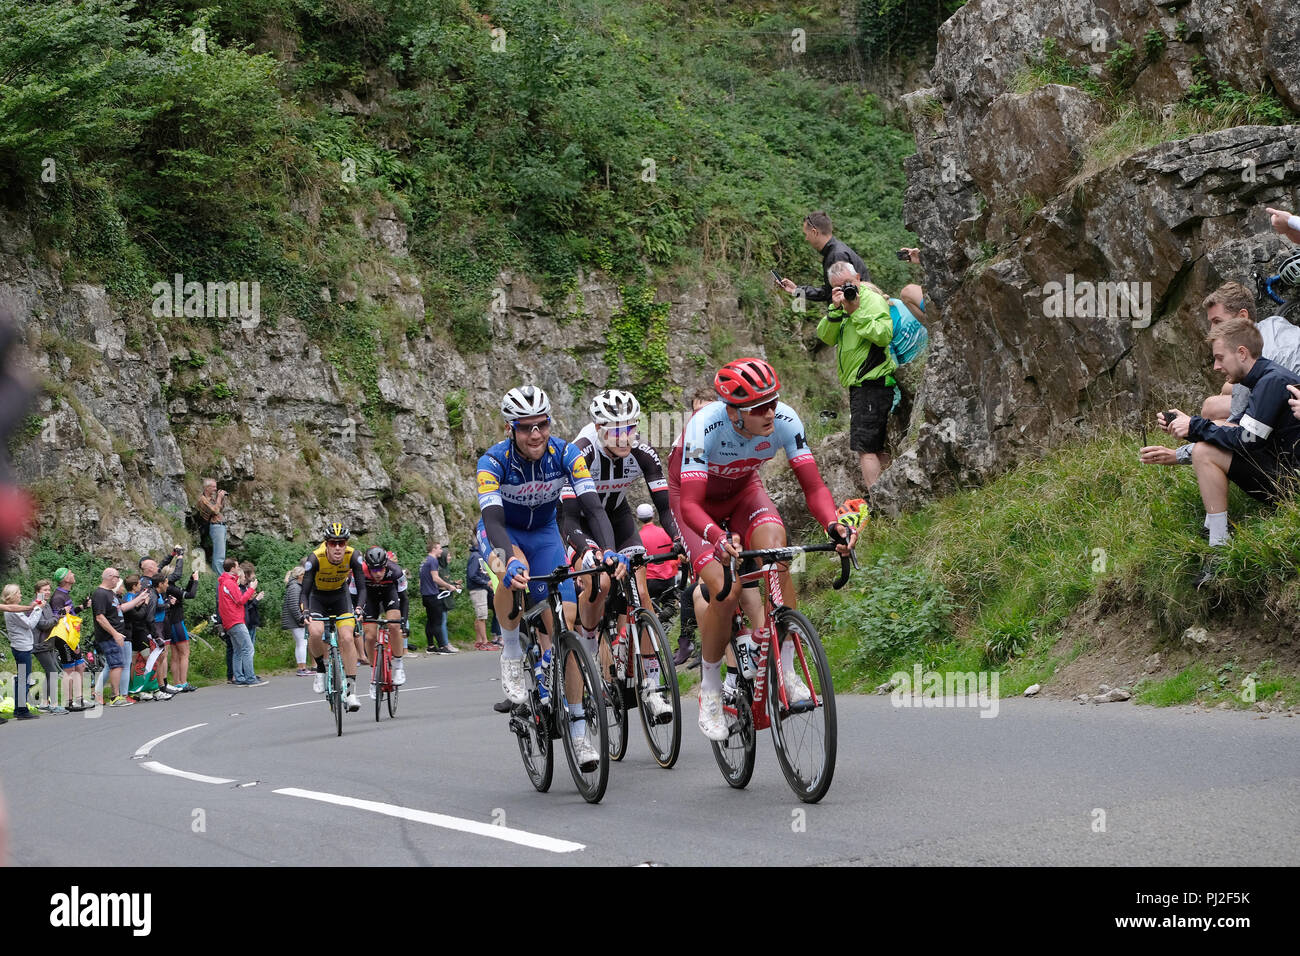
[
  {"x": 803, "y": 732},
  {"x": 539, "y": 723},
  {"x": 625, "y": 681},
  {"x": 1266, "y": 288},
  {"x": 382, "y": 688},
  {"x": 335, "y": 682}
]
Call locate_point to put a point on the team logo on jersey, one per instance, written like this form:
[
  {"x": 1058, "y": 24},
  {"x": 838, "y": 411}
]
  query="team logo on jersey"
[
  {"x": 763, "y": 446},
  {"x": 800, "y": 441},
  {"x": 487, "y": 482},
  {"x": 580, "y": 469},
  {"x": 695, "y": 453}
]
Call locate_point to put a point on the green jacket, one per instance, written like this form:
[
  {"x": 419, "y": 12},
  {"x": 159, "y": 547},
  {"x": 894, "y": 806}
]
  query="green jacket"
[{"x": 861, "y": 340}]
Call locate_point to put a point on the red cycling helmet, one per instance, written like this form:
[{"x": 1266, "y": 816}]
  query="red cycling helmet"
[{"x": 746, "y": 381}]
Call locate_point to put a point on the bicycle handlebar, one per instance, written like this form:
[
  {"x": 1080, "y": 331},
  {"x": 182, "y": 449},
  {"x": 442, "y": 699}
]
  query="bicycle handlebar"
[{"x": 769, "y": 555}]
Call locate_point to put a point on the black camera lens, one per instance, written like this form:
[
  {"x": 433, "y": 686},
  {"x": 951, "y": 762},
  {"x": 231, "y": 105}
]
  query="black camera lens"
[{"x": 850, "y": 291}]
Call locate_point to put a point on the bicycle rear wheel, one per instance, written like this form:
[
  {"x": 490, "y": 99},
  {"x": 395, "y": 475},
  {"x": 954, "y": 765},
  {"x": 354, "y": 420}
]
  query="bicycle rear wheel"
[
  {"x": 736, "y": 755},
  {"x": 586, "y": 712},
  {"x": 662, "y": 733},
  {"x": 804, "y": 733},
  {"x": 377, "y": 681},
  {"x": 616, "y": 717},
  {"x": 392, "y": 700},
  {"x": 535, "y": 745}
]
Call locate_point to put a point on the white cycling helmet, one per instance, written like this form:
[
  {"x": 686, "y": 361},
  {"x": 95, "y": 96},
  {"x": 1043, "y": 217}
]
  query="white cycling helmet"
[
  {"x": 1290, "y": 270},
  {"x": 523, "y": 402},
  {"x": 614, "y": 407}
]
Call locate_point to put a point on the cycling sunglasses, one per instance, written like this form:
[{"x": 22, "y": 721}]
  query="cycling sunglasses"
[
  {"x": 539, "y": 427},
  {"x": 762, "y": 409},
  {"x": 618, "y": 431}
]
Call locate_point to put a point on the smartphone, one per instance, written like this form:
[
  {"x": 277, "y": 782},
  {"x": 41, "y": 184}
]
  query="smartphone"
[
  {"x": 776, "y": 276},
  {"x": 904, "y": 255}
]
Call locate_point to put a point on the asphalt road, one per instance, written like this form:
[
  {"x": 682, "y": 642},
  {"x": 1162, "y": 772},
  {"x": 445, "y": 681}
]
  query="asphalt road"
[{"x": 443, "y": 784}]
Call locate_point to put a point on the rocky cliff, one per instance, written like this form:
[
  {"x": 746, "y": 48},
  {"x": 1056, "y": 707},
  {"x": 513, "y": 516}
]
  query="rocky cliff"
[{"x": 1023, "y": 196}]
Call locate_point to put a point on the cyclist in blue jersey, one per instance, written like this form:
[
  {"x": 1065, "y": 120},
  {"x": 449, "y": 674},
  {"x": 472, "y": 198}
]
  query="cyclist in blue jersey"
[{"x": 519, "y": 485}]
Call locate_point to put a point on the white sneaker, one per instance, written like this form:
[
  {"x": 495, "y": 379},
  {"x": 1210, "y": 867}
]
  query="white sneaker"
[
  {"x": 145, "y": 695},
  {"x": 795, "y": 689},
  {"x": 318, "y": 684},
  {"x": 588, "y": 759},
  {"x": 162, "y": 695},
  {"x": 352, "y": 703},
  {"x": 451, "y": 649},
  {"x": 512, "y": 680},
  {"x": 712, "y": 721},
  {"x": 660, "y": 709},
  {"x": 399, "y": 672}
]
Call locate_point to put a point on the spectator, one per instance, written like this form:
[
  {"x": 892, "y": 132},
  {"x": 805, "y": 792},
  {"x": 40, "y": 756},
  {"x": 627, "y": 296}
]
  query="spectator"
[
  {"x": 21, "y": 628},
  {"x": 480, "y": 585},
  {"x": 1281, "y": 345},
  {"x": 110, "y": 636},
  {"x": 432, "y": 584},
  {"x": 209, "y": 509},
  {"x": 43, "y": 649},
  {"x": 701, "y": 397},
  {"x": 1285, "y": 224},
  {"x": 293, "y": 620},
  {"x": 152, "y": 577},
  {"x": 138, "y": 617},
  {"x": 817, "y": 230},
  {"x": 175, "y": 630},
  {"x": 660, "y": 578},
  {"x": 72, "y": 661},
  {"x": 1261, "y": 452},
  {"x": 234, "y": 591},
  {"x": 858, "y": 324},
  {"x": 252, "y": 609}
]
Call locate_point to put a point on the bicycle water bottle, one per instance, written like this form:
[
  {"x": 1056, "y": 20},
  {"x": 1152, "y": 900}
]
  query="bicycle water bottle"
[
  {"x": 747, "y": 654},
  {"x": 539, "y": 671},
  {"x": 620, "y": 660}
]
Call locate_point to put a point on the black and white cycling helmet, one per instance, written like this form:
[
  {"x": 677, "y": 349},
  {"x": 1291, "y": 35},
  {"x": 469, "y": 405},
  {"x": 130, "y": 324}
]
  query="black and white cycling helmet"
[
  {"x": 614, "y": 407},
  {"x": 1290, "y": 270},
  {"x": 523, "y": 402}
]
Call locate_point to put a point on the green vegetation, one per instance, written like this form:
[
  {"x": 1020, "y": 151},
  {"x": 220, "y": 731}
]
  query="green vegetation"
[
  {"x": 901, "y": 27},
  {"x": 1018, "y": 556}
]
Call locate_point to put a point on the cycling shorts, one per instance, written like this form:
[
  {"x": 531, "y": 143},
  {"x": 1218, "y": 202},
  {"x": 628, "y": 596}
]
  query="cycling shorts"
[
  {"x": 750, "y": 508},
  {"x": 543, "y": 549},
  {"x": 336, "y": 602},
  {"x": 382, "y": 598}
]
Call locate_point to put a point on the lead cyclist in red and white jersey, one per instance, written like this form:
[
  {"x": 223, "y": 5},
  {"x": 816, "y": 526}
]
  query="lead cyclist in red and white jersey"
[{"x": 713, "y": 482}]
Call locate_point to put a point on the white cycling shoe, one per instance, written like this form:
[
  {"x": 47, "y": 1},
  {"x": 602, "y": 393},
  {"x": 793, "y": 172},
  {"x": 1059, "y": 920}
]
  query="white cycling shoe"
[
  {"x": 353, "y": 705},
  {"x": 399, "y": 672},
  {"x": 588, "y": 759},
  {"x": 318, "y": 684},
  {"x": 796, "y": 691},
  {"x": 512, "y": 680},
  {"x": 660, "y": 709},
  {"x": 713, "y": 721}
]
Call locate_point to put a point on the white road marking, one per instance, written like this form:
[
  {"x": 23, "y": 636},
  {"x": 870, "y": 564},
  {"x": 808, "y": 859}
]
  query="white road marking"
[
  {"x": 317, "y": 700},
  {"x": 476, "y": 827},
  {"x": 144, "y": 750},
  {"x": 157, "y": 767}
]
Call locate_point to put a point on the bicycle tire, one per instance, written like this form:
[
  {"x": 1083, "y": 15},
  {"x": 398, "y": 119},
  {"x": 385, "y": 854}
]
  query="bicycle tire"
[
  {"x": 616, "y": 716},
  {"x": 663, "y": 738},
  {"x": 590, "y": 783},
  {"x": 535, "y": 745},
  {"x": 392, "y": 701},
  {"x": 805, "y": 739},
  {"x": 377, "y": 683},
  {"x": 737, "y": 754},
  {"x": 336, "y": 697}
]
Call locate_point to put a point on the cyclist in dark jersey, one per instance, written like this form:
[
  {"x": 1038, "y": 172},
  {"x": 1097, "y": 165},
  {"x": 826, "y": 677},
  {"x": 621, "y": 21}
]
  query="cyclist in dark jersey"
[
  {"x": 617, "y": 460},
  {"x": 382, "y": 576}
]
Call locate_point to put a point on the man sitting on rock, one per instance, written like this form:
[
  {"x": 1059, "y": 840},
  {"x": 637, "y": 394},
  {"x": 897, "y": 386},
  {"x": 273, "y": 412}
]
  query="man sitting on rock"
[{"x": 1260, "y": 455}]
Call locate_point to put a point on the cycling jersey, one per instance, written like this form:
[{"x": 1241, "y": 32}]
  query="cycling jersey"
[
  {"x": 711, "y": 462},
  {"x": 388, "y": 575},
  {"x": 323, "y": 576},
  {"x": 612, "y": 476}
]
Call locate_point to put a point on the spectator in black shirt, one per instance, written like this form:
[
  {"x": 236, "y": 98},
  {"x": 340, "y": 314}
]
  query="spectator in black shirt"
[
  {"x": 1261, "y": 453},
  {"x": 817, "y": 230}
]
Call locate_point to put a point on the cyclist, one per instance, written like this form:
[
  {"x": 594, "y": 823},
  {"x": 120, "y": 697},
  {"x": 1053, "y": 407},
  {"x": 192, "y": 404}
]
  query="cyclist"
[
  {"x": 519, "y": 482},
  {"x": 617, "y": 460},
  {"x": 382, "y": 576},
  {"x": 324, "y": 591},
  {"x": 719, "y": 502}
]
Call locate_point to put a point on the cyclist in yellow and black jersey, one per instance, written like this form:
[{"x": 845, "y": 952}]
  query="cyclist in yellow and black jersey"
[{"x": 324, "y": 591}]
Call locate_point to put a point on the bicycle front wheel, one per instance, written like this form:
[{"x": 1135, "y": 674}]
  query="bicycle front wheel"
[
  {"x": 803, "y": 729},
  {"x": 658, "y": 698},
  {"x": 377, "y": 684},
  {"x": 392, "y": 700},
  {"x": 535, "y": 744},
  {"x": 578, "y": 701},
  {"x": 338, "y": 685}
]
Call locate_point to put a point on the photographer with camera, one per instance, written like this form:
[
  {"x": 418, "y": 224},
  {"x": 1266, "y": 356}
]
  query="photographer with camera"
[{"x": 859, "y": 325}]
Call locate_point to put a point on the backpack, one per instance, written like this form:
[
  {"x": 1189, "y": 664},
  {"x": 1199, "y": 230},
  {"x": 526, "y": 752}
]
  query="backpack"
[{"x": 910, "y": 336}]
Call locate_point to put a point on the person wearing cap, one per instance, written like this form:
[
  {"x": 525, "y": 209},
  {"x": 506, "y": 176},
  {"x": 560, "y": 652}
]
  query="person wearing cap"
[{"x": 659, "y": 577}]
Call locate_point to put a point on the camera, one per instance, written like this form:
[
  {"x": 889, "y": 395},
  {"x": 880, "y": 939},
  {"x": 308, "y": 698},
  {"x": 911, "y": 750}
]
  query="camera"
[
  {"x": 1169, "y": 417},
  {"x": 850, "y": 291},
  {"x": 904, "y": 255}
]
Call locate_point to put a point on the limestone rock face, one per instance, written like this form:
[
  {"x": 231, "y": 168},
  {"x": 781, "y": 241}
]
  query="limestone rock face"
[{"x": 1068, "y": 293}]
